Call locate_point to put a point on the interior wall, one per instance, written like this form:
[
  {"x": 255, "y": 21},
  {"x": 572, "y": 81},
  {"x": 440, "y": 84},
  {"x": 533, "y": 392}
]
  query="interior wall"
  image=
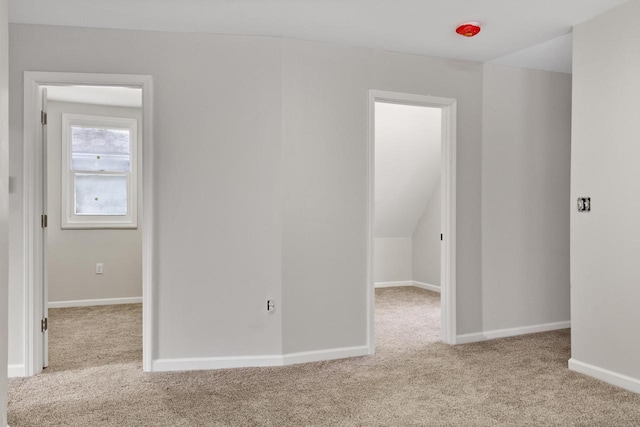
[
  {"x": 217, "y": 133},
  {"x": 324, "y": 152},
  {"x": 261, "y": 182},
  {"x": 392, "y": 259},
  {"x": 426, "y": 244},
  {"x": 72, "y": 253},
  {"x": 525, "y": 192},
  {"x": 4, "y": 205},
  {"x": 407, "y": 165},
  {"x": 408, "y": 152},
  {"x": 605, "y": 242}
]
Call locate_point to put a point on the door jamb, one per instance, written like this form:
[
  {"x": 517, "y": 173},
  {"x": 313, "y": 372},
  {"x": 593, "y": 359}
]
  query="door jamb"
[
  {"x": 448, "y": 208},
  {"x": 32, "y": 198}
]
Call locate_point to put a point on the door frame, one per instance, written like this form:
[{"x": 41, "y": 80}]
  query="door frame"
[
  {"x": 448, "y": 106},
  {"x": 33, "y": 194}
]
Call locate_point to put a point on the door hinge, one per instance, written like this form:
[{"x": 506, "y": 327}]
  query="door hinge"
[
  {"x": 44, "y": 324},
  {"x": 44, "y": 221},
  {"x": 440, "y": 236},
  {"x": 43, "y": 117}
]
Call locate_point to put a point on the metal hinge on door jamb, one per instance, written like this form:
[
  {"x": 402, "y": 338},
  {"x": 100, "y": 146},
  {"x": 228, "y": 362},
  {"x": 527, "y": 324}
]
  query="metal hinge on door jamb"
[
  {"x": 44, "y": 221},
  {"x": 43, "y": 117},
  {"x": 44, "y": 324}
]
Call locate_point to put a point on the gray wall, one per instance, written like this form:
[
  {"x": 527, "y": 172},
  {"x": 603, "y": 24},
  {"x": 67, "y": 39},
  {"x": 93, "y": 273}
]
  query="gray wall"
[
  {"x": 4, "y": 208},
  {"x": 525, "y": 192},
  {"x": 392, "y": 259},
  {"x": 408, "y": 152},
  {"x": 605, "y": 243},
  {"x": 325, "y": 93},
  {"x": 426, "y": 242},
  {"x": 217, "y": 183},
  {"x": 261, "y": 183},
  {"x": 73, "y": 254}
]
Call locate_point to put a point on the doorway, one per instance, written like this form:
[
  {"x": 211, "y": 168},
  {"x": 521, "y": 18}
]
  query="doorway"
[
  {"x": 93, "y": 247},
  {"x": 397, "y": 220},
  {"x": 101, "y": 195}
]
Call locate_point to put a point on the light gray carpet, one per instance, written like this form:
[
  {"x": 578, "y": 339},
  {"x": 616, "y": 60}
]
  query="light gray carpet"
[{"x": 95, "y": 379}]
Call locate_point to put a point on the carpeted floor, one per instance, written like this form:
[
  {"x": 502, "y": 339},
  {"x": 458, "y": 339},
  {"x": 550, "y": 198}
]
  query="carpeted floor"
[{"x": 95, "y": 379}]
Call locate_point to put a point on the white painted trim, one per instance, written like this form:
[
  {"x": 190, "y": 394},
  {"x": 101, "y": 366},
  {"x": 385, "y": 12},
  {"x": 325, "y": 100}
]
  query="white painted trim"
[
  {"x": 611, "y": 377},
  {"x": 427, "y": 286},
  {"x": 31, "y": 243},
  {"x": 32, "y": 192},
  {"x": 94, "y": 302},
  {"x": 208, "y": 363},
  {"x": 393, "y": 284},
  {"x": 322, "y": 355},
  {"x": 148, "y": 221},
  {"x": 413, "y": 283},
  {"x": 448, "y": 214},
  {"x": 511, "y": 332},
  {"x": 371, "y": 194},
  {"x": 448, "y": 262},
  {"x": 14, "y": 371}
]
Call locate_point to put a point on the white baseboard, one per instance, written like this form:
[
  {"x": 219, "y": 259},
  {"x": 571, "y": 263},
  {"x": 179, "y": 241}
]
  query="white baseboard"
[
  {"x": 16, "y": 371},
  {"x": 321, "y": 355},
  {"x": 393, "y": 284},
  {"x": 427, "y": 286},
  {"x": 620, "y": 380},
  {"x": 91, "y": 302},
  {"x": 209, "y": 363},
  {"x": 421, "y": 285},
  {"x": 511, "y": 332}
]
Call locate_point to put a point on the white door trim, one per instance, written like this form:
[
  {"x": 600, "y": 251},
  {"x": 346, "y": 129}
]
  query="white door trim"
[
  {"x": 32, "y": 193},
  {"x": 448, "y": 212}
]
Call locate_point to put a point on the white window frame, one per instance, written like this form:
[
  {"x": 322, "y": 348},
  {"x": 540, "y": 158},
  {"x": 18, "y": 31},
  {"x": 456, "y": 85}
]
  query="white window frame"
[{"x": 86, "y": 221}]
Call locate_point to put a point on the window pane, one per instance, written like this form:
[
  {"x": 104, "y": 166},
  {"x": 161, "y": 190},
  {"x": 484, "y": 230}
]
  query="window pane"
[
  {"x": 96, "y": 149},
  {"x": 101, "y": 195},
  {"x": 100, "y": 162}
]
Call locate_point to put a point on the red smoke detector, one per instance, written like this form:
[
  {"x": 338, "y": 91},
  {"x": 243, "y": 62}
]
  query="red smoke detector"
[{"x": 468, "y": 29}]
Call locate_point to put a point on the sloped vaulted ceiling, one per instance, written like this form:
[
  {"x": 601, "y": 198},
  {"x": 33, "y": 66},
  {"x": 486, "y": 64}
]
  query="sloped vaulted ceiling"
[{"x": 407, "y": 166}]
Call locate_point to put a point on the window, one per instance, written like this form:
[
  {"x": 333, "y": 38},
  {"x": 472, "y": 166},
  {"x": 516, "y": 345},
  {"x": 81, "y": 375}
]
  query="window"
[{"x": 99, "y": 172}]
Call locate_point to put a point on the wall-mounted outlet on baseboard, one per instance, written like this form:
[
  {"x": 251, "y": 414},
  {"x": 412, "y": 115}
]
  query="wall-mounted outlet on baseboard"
[
  {"x": 271, "y": 305},
  {"x": 99, "y": 268}
]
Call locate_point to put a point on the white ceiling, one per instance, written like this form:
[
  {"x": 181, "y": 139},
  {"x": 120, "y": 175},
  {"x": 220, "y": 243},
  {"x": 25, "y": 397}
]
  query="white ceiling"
[
  {"x": 407, "y": 166},
  {"x": 552, "y": 55},
  {"x": 98, "y": 95},
  {"x": 424, "y": 27}
]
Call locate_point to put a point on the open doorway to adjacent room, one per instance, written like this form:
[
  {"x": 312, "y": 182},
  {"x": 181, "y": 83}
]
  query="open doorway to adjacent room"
[
  {"x": 413, "y": 219},
  {"x": 407, "y": 218},
  {"x": 94, "y": 237},
  {"x": 88, "y": 163}
]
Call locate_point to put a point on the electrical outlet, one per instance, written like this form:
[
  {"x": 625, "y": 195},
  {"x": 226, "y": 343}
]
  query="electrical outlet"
[
  {"x": 99, "y": 268},
  {"x": 271, "y": 305}
]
